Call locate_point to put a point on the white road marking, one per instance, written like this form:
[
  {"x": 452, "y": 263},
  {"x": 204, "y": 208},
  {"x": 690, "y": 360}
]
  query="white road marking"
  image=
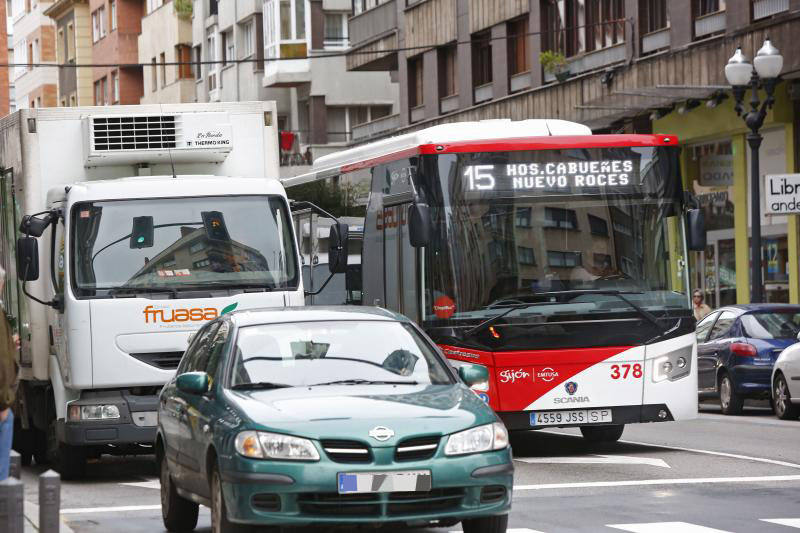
[
  {"x": 666, "y": 527},
  {"x": 789, "y": 522},
  {"x": 595, "y": 460},
  {"x": 513, "y": 530},
  {"x": 152, "y": 484},
  {"x": 695, "y": 450},
  {"x": 643, "y": 482},
  {"x": 87, "y": 510}
]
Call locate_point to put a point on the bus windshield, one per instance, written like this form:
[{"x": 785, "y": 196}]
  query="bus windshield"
[
  {"x": 556, "y": 234},
  {"x": 171, "y": 244}
]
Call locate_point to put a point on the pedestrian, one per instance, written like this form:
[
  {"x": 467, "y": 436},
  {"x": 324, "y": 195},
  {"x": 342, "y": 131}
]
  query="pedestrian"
[
  {"x": 700, "y": 308},
  {"x": 8, "y": 383}
]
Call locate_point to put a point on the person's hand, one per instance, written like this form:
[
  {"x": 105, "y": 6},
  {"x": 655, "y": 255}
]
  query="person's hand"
[
  {"x": 16, "y": 340},
  {"x": 4, "y": 414}
]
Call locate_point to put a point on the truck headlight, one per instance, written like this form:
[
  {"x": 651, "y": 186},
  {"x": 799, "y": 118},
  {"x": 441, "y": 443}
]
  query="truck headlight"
[
  {"x": 78, "y": 413},
  {"x": 265, "y": 445},
  {"x": 478, "y": 439}
]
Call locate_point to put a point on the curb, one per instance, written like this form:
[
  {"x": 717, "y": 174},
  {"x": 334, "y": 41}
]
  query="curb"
[{"x": 31, "y": 511}]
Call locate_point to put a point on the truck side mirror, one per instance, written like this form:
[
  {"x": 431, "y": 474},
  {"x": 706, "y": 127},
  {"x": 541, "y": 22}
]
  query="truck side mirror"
[
  {"x": 27, "y": 259},
  {"x": 696, "y": 230},
  {"x": 337, "y": 248},
  {"x": 35, "y": 226},
  {"x": 419, "y": 225}
]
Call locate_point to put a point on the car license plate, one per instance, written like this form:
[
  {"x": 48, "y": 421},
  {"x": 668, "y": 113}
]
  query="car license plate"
[
  {"x": 367, "y": 482},
  {"x": 581, "y": 416}
]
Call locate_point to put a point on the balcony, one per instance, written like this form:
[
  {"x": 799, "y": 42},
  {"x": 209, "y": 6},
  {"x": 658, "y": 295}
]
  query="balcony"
[
  {"x": 593, "y": 60},
  {"x": 519, "y": 82},
  {"x": 767, "y": 8},
  {"x": 375, "y": 127},
  {"x": 371, "y": 33},
  {"x": 448, "y": 104},
  {"x": 710, "y": 24},
  {"x": 483, "y": 92},
  {"x": 655, "y": 41},
  {"x": 417, "y": 113}
]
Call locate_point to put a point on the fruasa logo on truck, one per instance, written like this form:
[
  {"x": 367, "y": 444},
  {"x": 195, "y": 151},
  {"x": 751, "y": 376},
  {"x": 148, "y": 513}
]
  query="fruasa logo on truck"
[{"x": 182, "y": 314}]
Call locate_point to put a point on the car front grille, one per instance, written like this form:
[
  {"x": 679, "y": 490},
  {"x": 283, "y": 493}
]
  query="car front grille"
[
  {"x": 417, "y": 449},
  {"x": 347, "y": 451},
  {"x": 395, "y": 504},
  {"x": 492, "y": 493}
]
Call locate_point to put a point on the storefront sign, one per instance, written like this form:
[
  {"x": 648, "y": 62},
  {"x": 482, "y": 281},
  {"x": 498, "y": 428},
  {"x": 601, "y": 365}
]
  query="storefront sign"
[
  {"x": 716, "y": 170},
  {"x": 782, "y": 194}
]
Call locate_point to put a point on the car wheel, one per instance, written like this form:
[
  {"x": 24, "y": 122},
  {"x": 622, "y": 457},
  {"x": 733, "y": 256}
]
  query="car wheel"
[
  {"x": 602, "y": 433},
  {"x": 486, "y": 524},
  {"x": 219, "y": 512},
  {"x": 784, "y": 408},
  {"x": 730, "y": 400},
  {"x": 178, "y": 513}
]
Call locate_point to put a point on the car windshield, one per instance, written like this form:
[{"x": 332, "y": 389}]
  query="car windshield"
[
  {"x": 329, "y": 352},
  {"x": 170, "y": 244},
  {"x": 784, "y": 325}
]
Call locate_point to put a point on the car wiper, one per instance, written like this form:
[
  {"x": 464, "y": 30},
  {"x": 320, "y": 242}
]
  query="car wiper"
[
  {"x": 260, "y": 385},
  {"x": 364, "y": 382}
]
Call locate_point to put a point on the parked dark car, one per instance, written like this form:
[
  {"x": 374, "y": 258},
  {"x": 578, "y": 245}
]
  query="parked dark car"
[{"x": 737, "y": 347}]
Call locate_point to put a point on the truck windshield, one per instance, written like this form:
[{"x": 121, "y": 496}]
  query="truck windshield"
[
  {"x": 171, "y": 244},
  {"x": 552, "y": 233}
]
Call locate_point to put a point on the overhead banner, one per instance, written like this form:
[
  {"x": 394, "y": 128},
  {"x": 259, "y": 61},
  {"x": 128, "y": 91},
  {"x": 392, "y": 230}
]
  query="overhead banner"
[{"x": 782, "y": 194}]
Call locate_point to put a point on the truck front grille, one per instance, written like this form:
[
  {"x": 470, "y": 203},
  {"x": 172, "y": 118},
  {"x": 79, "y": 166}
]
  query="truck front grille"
[{"x": 162, "y": 360}]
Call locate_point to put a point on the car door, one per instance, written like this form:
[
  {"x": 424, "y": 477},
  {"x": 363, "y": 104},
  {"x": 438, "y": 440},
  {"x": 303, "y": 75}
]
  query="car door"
[
  {"x": 705, "y": 361},
  {"x": 202, "y": 408},
  {"x": 718, "y": 343}
]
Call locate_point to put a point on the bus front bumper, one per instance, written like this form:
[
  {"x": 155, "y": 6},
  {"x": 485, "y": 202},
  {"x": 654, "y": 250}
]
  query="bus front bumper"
[{"x": 624, "y": 414}]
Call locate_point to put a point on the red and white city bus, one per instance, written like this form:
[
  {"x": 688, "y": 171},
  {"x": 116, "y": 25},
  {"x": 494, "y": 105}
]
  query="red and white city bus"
[{"x": 551, "y": 256}]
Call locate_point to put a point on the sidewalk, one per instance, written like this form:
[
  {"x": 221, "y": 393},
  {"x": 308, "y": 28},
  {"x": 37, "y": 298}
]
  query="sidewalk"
[{"x": 32, "y": 519}]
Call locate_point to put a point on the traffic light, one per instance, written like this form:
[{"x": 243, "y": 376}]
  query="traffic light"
[
  {"x": 142, "y": 232},
  {"x": 215, "y": 226}
]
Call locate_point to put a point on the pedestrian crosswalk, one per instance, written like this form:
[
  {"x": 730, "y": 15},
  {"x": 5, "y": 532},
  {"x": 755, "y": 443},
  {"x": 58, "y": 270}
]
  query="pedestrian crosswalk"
[{"x": 673, "y": 527}]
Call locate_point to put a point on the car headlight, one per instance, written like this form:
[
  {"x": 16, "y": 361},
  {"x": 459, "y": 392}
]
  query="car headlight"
[
  {"x": 264, "y": 445},
  {"x": 478, "y": 439}
]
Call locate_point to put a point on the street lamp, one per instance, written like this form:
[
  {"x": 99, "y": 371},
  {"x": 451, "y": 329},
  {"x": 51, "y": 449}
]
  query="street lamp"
[{"x": 762, "y": 74}]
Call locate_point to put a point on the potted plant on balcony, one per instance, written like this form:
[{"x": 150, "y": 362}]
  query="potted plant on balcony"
[
  {"x": 555, "y": 63},
  {"x": 183, "y": 8}
]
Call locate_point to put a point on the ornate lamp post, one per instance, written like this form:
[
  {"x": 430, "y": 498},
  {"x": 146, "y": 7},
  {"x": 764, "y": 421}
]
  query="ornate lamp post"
[{"x": 763, "y": 74}]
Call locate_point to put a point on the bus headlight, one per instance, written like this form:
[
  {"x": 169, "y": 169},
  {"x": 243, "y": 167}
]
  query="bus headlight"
[{"x": 672, "y": 366}]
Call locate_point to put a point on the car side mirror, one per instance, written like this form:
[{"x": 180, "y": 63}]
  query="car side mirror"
[
  {"x": 473, "y": 374},
  {"x": 419, "y": 225},
  {"x": 695, "y": 230},
  {"x": 798, "y": 335},
  {"x": 27, "y": 259},
  {"x": 193, "y": 382},
  {"x": 337, "y": 248}
]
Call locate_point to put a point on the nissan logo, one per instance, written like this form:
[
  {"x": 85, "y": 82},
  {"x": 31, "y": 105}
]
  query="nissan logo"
[{"x": 381, "y": 433}]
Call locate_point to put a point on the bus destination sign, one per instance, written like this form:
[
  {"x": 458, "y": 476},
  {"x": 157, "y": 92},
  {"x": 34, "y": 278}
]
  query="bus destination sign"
[{"x": 574, "y": 177}]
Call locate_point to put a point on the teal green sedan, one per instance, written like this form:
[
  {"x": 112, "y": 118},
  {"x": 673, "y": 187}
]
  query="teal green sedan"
[{"x": 328, "y": 417}]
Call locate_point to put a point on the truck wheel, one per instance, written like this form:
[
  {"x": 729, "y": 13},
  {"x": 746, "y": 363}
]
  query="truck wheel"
[
  {"x": 486, "y": 524},
  {"x": 69, "y": 461},
  {"x": 178, "y": 513},
  {"x": 730, "y": 401},
  {"x": 602, "y": 433}
]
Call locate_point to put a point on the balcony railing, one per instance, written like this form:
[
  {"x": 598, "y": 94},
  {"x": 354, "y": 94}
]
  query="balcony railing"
[
  {"x": 375, "y": 127},
  {"x": 709, "y": 24},
  {"x": 417, "y": 113},
  {"x": 448, "y": 104},
  {"x": 520, "y": 81},
  {"x": 656, "y": 40},
  {"x": 766, "y": 8},
  {"x": 484, "y": 92},
  {"x": 372, "y": 23}
]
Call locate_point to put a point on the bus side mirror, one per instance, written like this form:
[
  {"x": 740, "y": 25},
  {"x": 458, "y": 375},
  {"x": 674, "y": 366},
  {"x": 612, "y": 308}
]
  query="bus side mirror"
[
  {"x": 337, "y": 248},
  {"x": 696, "y": 230},
  {"x": 419, "y": 225},
  {"x": 27, "y": 259}
]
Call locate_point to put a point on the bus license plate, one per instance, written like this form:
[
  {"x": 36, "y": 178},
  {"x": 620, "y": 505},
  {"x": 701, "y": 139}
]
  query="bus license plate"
[{"x": 582, "y": 416}]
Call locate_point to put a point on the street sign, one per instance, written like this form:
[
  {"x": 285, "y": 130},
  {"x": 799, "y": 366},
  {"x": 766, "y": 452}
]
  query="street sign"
[{"x": 782, "y": 194}]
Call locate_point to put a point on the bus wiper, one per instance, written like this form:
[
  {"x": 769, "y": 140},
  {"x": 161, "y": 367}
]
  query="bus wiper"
[
  {"x": 260, "y": 385},
  {"x": 364, "y": 382}
]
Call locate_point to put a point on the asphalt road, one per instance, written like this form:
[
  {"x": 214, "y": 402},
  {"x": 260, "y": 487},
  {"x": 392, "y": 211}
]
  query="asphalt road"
[{"x": 717, "y": 473}]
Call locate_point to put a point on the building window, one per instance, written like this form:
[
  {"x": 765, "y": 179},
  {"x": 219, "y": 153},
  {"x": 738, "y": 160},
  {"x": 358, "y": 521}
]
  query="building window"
[
  {"x": 415, "y": 82},
  {"x": 98, "y": 24},
  {"x": 70, "y": 43},
  {"x": 522, "y": 217},
  {"x": 598, "y": 226},
  {"x": 707, "y": 7},
  {"x": 60, "y": 47},
  {"x": 73, "y": 100},
  {"x": 601, "y": 262},
  {"x": 184, "y": 54},
  {"x": 211, "y": 52},
  {"x": 654, "y": 15},
  {"x": 481, "y": 59},
  {"x": 525, "y": 256},
  {"x": 113, "y": 14},
  {"x": 518, "y": 61},
  {"x": 447, "y": 71},
  {"x": 213, "y": 8},
  {"x": 152, "y": 5},
  {"x": 198, "y": 62},
  {"x": 555, "y": 217},
  {"x": 563, "y": 259},
  {"x": 573, "y": 27},
  {"x": 247, "y": 38},
  {"x": 154, "y": 75},
  {"x": 335, "y": 30},
  {"x": 115, "y": 87},
  {"x": 30, "y": 56},
  {"x": 285, "y": 29},
  {"x": 100, "y": 91},
  {"x": 228, "y": 48},
  {"x": 163, "y": 58}
]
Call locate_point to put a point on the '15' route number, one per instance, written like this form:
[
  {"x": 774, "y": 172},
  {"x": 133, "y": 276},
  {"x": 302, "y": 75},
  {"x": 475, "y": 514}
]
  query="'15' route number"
[{"x": 623, "y": 371}]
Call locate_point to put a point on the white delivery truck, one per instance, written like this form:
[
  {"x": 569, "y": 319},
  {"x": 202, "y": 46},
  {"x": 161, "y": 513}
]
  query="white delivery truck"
[{"x": 127, "y": 228}]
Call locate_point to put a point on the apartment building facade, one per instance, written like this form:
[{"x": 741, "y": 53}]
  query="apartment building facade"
[
  {"x": 33, "y": 38},
  {"x": 166, "y": 37},
  {"x": 73, "y": 45},
  {"x": 625, "y": 66},
  {"x": 291, "y": 51},
  {"x": 116, "y": 25}
]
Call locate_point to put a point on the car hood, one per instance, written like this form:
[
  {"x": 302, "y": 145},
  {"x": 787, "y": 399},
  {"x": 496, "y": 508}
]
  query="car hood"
[{"x": 351, "y": 411}]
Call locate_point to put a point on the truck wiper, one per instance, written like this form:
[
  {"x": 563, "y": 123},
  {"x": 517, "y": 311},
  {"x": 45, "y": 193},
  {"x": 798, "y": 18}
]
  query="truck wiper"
[
  {"x": 260, "y": 385},
  {"x": 364, "y": 382},
  {"x": 142, "y": 290},
  {"x": 644, "y": 313}
]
